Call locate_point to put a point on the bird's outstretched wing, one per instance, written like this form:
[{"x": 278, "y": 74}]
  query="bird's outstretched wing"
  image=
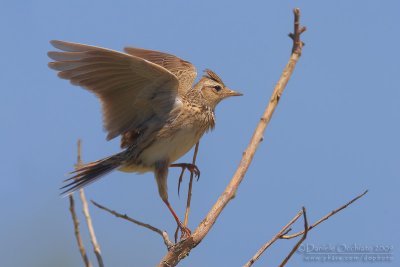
[
  {"x": 184, "y": 70},
  {"x": 135, "y": 93}
]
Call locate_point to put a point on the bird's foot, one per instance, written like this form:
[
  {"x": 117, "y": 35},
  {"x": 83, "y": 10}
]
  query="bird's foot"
[
  {"x": 185, "y": 232},
  {"x": 193, "y": 169}
]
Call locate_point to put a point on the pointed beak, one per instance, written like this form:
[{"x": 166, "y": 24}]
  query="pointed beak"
[{"x": 233, "y": 93}]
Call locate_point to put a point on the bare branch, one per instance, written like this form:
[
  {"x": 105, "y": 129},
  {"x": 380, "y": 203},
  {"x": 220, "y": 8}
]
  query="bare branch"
[
  {"x": 181, "y": 249},
  {"x": 326, "y": 217},
  {"x": 75, "y": 219},
  {"x": 282, "y": 232},
  {"x": 85, "y": 209},
  {"x": 163, "y": 234},
  {"x": 299, "y": 242},
  {"x": 78, "y": 237},
  {"x": 93, "y": 239}
]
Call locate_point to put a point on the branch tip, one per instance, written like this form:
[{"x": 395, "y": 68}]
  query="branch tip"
[{"x": 298, "y": 30}]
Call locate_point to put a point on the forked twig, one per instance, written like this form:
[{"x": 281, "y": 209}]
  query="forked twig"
[
  {"x": 282, "y": 234},
  {"x": 300, "y": 241},
  {"x": 326, "y": 217},
  {"x": 163, "y": 234},
  {"x": 283, "y": 231}
]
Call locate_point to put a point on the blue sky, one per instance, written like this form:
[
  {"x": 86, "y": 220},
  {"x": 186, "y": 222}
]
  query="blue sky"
[{"x": 335, "y": 133}]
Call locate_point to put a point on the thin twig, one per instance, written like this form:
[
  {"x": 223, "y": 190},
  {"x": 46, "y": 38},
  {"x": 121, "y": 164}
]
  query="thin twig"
[
  {"x": 78, "y": 237},
  {"x": 163, "y": 234},
  {"x": 189, "y": 195},
  {"x": 75, "y": 219},
  {"x": 326, "y": 217},
  {"x": 299, "y": 242},
  {"x": 283, "y": 235},
  {"x": 283, "y": 231},
  {"x": 85, "y": 209},
  {"x": 93, "y": 239},
  {"x": 182, "y": 249}
]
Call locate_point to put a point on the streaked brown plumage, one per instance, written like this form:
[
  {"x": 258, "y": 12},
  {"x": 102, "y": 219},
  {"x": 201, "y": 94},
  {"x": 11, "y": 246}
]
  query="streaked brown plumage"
[{"x": 147, "y": 98}]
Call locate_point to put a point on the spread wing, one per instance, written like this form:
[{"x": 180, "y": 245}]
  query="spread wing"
[
  {"x": 134, "y": 92},
  {"x": 184, "y": 70}
]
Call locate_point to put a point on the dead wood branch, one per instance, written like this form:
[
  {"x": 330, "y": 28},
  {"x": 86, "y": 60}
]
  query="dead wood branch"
[{"x": 182, "y": 249}]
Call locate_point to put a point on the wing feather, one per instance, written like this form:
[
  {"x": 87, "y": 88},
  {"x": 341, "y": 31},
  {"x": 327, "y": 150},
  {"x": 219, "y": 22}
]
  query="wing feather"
[
  {"x": 133, "y": 91},
  {"x": 182, "y": 69}
]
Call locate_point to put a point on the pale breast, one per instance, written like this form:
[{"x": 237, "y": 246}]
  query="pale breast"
[
  {"x": 170, "y": 148},
  {"x": 174, "y": 140}
]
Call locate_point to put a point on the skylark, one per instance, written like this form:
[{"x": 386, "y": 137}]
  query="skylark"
[{"x": 147, "y": 98}]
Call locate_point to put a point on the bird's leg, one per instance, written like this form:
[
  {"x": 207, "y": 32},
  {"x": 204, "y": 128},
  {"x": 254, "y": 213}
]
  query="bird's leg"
[
  {"x": 192, "y": 169},
  {"x": 161, "y": 173},
  {"x": 185, "y": 231}
]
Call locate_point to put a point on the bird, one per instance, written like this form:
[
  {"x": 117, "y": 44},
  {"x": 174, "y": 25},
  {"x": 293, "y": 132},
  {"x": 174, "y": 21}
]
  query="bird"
[{"x": 149, "y": 100}]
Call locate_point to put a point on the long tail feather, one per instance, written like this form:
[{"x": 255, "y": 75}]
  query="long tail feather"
[{"x": 91, "y": 172}]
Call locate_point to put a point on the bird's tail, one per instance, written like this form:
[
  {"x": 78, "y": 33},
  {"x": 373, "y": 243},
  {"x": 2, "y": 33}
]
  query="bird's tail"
[{"x": 91, "y": 172}]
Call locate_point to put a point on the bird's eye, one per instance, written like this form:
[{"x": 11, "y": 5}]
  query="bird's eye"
[{"x": 217, "y": 88}]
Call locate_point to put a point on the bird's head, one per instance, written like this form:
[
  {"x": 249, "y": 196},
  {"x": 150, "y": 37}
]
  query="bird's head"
[{"x": 213, "y": 89}]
